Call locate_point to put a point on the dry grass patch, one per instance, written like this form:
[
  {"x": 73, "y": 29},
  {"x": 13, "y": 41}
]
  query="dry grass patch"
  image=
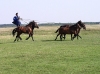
[
  {"x": 48, "y": 28},
  {"x": 93, "y": 27},
  {"x": 5, "y": 29},
  {"x": 6, "y": 37}
]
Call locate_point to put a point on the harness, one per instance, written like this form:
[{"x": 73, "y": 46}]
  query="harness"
[{"x": 79, "y": 26}]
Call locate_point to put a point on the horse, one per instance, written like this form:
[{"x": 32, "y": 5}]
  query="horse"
[
  {"x": 68, "y": 25},
  {"x": 73, "y": 29},
  {"x": 78, "y": 30},
  {"x": 28, "y": 29}
]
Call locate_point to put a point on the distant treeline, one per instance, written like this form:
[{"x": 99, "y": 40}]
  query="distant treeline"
[
  {"x": 58, "y": 24},
  {"x": 91, "y": 23},
  {"x": 47, "y": 24}
]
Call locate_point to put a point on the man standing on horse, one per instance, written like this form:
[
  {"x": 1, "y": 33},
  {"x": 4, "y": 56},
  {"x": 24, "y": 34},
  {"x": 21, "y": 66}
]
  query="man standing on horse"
[{"x": 16, "y": 20}]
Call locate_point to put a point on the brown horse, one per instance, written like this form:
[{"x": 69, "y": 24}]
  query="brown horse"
[
  {"x": 68, "y": 25},
  {"x": 73, "y": 29},
  {"x": 28, "y": 29}
]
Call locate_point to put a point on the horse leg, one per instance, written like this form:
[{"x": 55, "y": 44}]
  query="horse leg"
[
  {"x": 57, "y": 36},
  {"x": 64, "y": 36},
  {"x": 79, "y": 36},
  {"x": 74, "y": 36},
  {"x": 71, "y": 37},
  {"x": 32, "y": 37},
  {"x": 20, "y": 38},
  {"x": 28, "y": 37},
  {"x": 61, "y": 37},
  {"x": 16, "y": 38}
]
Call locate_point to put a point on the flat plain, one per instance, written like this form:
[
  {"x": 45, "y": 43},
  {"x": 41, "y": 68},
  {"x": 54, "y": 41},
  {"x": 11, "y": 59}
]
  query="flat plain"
[{"x": 44, "y": 55}]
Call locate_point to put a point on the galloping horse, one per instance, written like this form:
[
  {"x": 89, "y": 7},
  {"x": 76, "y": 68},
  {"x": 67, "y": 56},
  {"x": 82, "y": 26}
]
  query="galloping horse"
[
  {"x": 80, "y": 25},
  {"x": 73, "y": 29},
  {"x": 28, "y": 29}
]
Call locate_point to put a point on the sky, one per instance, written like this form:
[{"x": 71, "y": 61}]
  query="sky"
[{"x": 50, "y": 11}]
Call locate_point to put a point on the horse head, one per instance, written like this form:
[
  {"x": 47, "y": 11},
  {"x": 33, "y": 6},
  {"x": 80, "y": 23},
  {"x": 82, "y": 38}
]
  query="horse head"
[
  {"x": 81, "y": 24},
  {"x": 33, "y": 24}
]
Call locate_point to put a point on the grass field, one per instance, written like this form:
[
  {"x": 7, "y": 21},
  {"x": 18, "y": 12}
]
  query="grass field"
[{"x": 47, "y": 56}]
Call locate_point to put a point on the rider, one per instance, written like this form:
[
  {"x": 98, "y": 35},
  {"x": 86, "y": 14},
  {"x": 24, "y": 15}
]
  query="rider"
[{"x": 16, "y": 20}]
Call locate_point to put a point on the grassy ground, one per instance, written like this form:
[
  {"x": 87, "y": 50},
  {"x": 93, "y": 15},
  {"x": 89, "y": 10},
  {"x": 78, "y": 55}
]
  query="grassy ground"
[{"x": 46, "y": 56}]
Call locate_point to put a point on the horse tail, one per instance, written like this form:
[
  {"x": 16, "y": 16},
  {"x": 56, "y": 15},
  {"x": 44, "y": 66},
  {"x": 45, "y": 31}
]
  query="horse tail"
[
  {"x": 14, "y": 31},
  {"x": 57, "y": 30}
]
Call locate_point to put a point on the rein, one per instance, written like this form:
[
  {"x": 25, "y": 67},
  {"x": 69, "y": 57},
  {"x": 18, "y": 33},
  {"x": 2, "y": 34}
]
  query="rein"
[
  {"x": 24, "y": 21},
  {"x": 27, "y": 20},
  {"x": 79, "y": 26}
]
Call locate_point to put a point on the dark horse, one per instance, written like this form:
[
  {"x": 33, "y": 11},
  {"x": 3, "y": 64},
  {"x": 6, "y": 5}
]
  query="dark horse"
[
  {"x": 73, "y": 29},
  {"x": 28, "y": 29}
]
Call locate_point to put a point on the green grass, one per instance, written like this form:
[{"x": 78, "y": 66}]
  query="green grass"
[{"x": 46, "y": 56}]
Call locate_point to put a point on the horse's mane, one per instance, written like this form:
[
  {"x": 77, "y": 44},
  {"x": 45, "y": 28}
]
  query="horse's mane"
[
  {"x": 30, "y": 23},
  {"x": 75, "y": 25},
  {"x": 79, "y": 22}
]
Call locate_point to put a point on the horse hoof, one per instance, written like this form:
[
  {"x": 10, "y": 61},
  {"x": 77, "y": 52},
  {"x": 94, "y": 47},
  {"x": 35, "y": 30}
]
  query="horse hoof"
[
  {"x": 26, "y": 39},
  {"x": 55, "y": 39}
]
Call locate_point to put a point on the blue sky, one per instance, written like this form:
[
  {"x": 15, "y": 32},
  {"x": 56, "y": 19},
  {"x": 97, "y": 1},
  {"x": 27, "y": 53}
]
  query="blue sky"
[{"x": 50, "y": 10}]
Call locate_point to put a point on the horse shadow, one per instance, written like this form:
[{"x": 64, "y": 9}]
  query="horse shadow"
[{"x": 55, "y": 40}]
